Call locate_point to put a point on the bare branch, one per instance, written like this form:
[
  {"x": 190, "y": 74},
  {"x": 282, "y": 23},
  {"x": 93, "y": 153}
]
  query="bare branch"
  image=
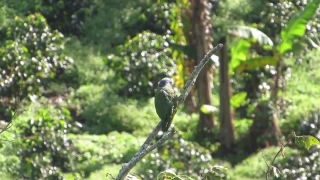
[
  {"x": 192, "y": 79},
  {"x": 7, "y": 126},
  {"x": 275, "y": 157},
  {"x": 146, "y": 148},
  {"x": 144, "y": 151}
]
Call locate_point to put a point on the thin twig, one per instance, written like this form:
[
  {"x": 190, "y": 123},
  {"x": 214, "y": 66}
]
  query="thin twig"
[
  {"x": 6, "y": 127},
  {"x": 145, "y": 149},
  {"x": 275, "y": 157},
  {"x": 264, "y": 157}
]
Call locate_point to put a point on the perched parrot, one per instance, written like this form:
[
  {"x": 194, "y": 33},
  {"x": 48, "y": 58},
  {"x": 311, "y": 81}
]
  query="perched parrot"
[{"x": 163, "y": 101}]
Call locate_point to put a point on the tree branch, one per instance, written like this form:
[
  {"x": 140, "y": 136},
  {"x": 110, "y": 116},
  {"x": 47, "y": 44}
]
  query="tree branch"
[
  {"x": 192, "y": 79},
  {"x": 146, "y": 148},
  {"x": 275, "y": 157},
  {"x": 144, "y": 151}
]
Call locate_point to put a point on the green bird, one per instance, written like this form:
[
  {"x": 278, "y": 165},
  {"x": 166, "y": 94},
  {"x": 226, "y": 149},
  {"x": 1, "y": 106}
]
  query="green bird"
[{"x": 163, "y": 101}]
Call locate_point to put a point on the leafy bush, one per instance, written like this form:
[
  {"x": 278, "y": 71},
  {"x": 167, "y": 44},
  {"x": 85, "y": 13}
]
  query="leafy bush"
[
  {"x": 303, "y": 165},
  {"x": 103, "y": 111},
  {"x": 141, "y": 62},
  {"x": 301, "y": 100},
  {"x": 94, "y": 151},
  {"x": 125, "y": 19},
  {"x": 271, "y": 16},
  {"x": 254, "y": 167},
  {"x": 90, "y": 65},
  {"x": 67, "y": 16},
  {"x": 112, "y": 22},
  {"x": 181, "y": 157},
  {"x": 41, "y": 148},
  {"x": 306, "y": 164},
  {"x": 31, "y": 57}
]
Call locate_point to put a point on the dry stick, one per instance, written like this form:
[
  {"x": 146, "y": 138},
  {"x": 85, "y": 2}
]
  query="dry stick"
[{"x": 145, "y": 149}]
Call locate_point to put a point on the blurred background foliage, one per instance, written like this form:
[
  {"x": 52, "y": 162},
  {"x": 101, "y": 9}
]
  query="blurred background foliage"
[{"x": 77, "y": 80}]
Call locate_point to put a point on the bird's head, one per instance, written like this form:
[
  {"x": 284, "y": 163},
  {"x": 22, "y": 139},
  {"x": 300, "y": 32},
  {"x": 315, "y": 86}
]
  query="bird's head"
[{"x": 164, "y": 82}]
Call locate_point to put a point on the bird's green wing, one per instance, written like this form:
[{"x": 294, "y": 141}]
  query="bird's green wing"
[
  {"x": 164, "y": 106},
  {"x": 162, "y": 102}
]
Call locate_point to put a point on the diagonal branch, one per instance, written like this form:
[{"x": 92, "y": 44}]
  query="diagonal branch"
[
  {"x": 192, "y": 79},
  {"x": 274, "y": 158},
  {"x": 146, "y": 148},
  {"x": 140, "y": 154}
]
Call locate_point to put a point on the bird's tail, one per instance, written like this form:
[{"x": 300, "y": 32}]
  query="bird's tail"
[{"x": 165, "y": 125}]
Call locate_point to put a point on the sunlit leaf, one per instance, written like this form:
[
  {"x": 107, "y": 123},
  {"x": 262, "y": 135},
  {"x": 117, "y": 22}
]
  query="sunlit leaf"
[
  {"x": 133, "y": 177},
  {"x": 239, "y": 52},
  {"x": 257, "y": 62},
  {"x": 250, "y": 33},
  {"x": 216, "y": 172},
  {"x": 296, "y": 26},
  {"x": 215, "y": 59},
  {"x": 183, "y": 177},
  {"x": 238, "y": 99},
  {"x": 167, "y": 174},
  {"x": 208, "y": 109},
  {"x": 306, "y": 141},
  {"x": 275, "y": 171}
]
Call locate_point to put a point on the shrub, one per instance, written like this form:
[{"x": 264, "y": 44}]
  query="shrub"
[
  {"x": 180, "y": 156},
  {"x": 41, "y": 148},
  {"x": 95, "y": 151},
  {"x": 67, "y": 16},
  {"x": 103, "y": 111},
  {"x": 141, "y": 62},
  {"x": 303, "y": 165},
  {"x": 31, "y": 57},
  {"x": 254, "y": 166}
]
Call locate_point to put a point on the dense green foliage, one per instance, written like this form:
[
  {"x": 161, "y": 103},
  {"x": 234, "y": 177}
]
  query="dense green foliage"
[
  {"x": 41, "y": 148},
  {"x": 31, "y": 56},
  {"x": 141, "y": 63},
  {"x": 86, "y": 73}
]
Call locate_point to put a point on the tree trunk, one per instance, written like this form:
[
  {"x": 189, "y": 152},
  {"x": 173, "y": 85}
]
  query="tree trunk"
[
  {"x": 190, "y": 101},
  {"x": 226, "y": 115},
  {"x": 201, "y": 41},
  {"x": 264, "y": 131}
]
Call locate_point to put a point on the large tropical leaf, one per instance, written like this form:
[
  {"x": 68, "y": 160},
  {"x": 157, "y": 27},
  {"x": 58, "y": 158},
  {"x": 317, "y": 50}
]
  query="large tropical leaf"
[
  {"x": 239, "y": 52},
  {"x": 296, "y": 26},
  {"x": 238, "y": 99},
  {"x": 256, "y": 62},
  {"x": 250, "y": 33}
]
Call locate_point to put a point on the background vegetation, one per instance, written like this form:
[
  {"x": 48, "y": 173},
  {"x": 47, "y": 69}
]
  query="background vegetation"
[{"x": 77, "y": 81}]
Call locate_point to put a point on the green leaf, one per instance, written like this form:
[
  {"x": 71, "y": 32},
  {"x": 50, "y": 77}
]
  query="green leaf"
[
  {"x": 247, "y": 32},
  {"x": 183, "y": 177},
  {"x": 167, "y": 174},
  {"x": 256, "y": 62},
  {"x": 306, "y": 141},
  {"x": 133, "y": 177},
  {"x": 239, "y": 53},
  {"x": 296, "y": 27},
  {"x": 238, "y": 99},
  {"x": 208, "y": 109},
  {"x": 275, "y": 171}
]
